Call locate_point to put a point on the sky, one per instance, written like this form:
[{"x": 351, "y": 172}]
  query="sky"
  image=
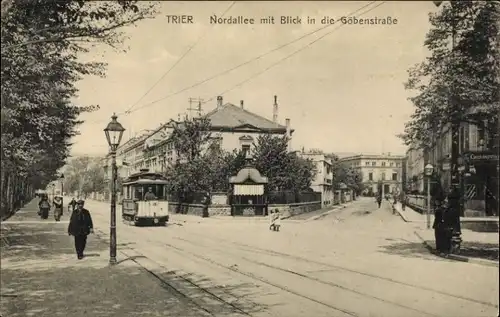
[{"x": 343, "y": 93}]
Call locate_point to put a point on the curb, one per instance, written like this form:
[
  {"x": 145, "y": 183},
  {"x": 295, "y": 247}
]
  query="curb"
[
  {"x": 326, "y": 212},
  {"x": 394, "y": 209},
  {"x": 456, "y": 257}
]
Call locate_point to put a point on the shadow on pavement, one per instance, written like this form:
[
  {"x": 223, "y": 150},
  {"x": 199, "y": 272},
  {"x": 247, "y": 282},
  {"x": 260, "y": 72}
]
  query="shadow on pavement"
[
  {"x": 409, "y": 249},
  {"x": 478, "y": 250},
  {"x": 88, "y": 291},
  {"x": 42, "y": 277}
]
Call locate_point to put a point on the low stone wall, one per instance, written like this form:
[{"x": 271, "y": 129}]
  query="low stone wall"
[
  {"x": 296, "y": 209},
  {"x": 225, "y": 210}
]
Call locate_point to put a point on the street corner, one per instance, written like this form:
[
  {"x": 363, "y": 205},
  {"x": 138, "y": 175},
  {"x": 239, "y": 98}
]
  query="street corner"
[
  {"x": 482, "y": 250},
  {"x": 408, "y": 248}
]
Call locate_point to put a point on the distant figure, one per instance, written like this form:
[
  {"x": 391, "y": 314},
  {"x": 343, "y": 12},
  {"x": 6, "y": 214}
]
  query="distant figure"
[
  {"x": 149, "y": 195},
  {"x": 80, "y": 226},
  {"x": 403, "y": 200},
  {"x": 72, "y": 205},
  {"x": 44, "y": 207},
  {"x": 275, "y": 220},
  {"x": 58, "y": 207},
  {"x": 206, "y": 203},
  {"x": 379, "y": 200}
]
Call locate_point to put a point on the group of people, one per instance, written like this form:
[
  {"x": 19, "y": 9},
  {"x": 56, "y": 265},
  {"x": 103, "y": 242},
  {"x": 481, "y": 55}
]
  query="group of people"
[
  {"x": 44, "y": 207},
  {"x": 442, "y": 203},
  {"x": 402, "y": 198},
  {"x": 80, "y": 223}
]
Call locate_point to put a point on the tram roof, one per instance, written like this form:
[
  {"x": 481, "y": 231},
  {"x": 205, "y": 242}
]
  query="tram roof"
[{"x": 147, "y": 182}]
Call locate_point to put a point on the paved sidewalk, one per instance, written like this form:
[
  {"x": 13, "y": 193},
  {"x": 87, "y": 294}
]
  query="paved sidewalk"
[
  {"x": 41, "y": 276},
  {"x": 477, "y": 247}
]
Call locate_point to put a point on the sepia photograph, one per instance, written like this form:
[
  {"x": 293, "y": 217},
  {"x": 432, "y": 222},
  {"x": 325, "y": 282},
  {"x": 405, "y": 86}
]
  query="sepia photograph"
[{"x": 250, "y": 158}]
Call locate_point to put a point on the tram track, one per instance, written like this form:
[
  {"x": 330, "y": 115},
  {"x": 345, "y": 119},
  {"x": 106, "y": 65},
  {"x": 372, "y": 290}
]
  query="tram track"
[
  {"x": 176, "y": 289},
  {"x": 187, "y": 297},
  {"x": 194, "y": 255},
  {"x": 183, "y": 252},
  {"x": 310, "y": 278},
  {"x": 342, "y": 268}
]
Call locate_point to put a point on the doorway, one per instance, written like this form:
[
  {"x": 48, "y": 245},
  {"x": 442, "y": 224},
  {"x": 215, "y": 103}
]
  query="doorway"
[{"x": 387, "y": 189}]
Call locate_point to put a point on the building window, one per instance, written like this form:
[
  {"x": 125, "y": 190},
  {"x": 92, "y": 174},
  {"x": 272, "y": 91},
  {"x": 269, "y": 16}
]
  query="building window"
[
  {"x": 391, "y": 164},
  {"x": 397, "y": 164},
  {"x": 245, "y": 148},
  {"x": 367, "y": 163},
  {"x": 394, "y": 176},
  {"x": 383, "y": 176},
  {"x": 373, "y": 163},
  {"x": 481, "y": 134},
  {"x": 383, "y": 163},
  {"x": 370, "y": 176}
]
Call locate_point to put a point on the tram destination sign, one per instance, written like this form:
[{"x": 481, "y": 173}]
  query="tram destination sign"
[{"x": 480, "y": 156}]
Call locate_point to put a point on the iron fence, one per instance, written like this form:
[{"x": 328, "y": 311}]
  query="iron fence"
[
  {"x": 274, "y": 197},
  {"x": 290, "y": 197}
]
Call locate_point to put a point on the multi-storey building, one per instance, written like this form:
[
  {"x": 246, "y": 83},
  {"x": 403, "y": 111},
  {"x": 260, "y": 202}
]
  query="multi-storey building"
[
  {"x": 128, "y": 157},
  {"x": 232, "y": 127},
  {"x": 478, "y": 161},
  {"x": 414, "y": 164},
  {"x": 385, "y": 169},
  {"x": 323, "y": 181}
]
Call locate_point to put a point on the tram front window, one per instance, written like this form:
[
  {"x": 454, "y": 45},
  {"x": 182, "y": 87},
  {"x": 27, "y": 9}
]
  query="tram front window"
[
  {"x": 138, "y": 193},
  {"x": 150, "y": 195}
]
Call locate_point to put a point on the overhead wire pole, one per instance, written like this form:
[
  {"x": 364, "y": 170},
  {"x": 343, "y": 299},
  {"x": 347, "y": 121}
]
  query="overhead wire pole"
[
  {"x": 198, "y": 107},
  {"x": 175, "y": 64},
  {"x": 254, "y": 58}
]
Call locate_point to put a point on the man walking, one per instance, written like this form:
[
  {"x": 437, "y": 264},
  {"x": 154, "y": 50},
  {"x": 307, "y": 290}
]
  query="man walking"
[{"x": 80, "y": 226}]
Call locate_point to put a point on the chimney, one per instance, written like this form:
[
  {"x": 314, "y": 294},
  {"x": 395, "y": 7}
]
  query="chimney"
[
  {"x": 288, "y": 134},
  {"x": 241, "y": 104},
  {"x": 275, "y": 109},
  {"x": 219, "y": 101}
]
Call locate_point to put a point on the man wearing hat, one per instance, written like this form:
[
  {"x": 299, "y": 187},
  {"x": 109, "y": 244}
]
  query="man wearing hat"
[{"x": 80, "y": 226}]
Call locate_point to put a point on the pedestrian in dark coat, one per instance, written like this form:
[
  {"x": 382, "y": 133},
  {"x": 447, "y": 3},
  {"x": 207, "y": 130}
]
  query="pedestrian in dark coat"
[
  {"x": 80, "y": 226},
  {"x": 439, "y": 225},
  {"x": 379, "y": 200}
]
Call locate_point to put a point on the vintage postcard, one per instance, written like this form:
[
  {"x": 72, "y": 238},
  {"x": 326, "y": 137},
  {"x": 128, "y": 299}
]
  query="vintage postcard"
[{"x": 250, "y": 158}]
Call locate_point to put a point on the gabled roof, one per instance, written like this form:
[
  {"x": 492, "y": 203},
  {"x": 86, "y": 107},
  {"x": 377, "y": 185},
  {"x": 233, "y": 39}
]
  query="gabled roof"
[
  {"x": 231, "y": 116},
  {"x": 248, "y": 173}
]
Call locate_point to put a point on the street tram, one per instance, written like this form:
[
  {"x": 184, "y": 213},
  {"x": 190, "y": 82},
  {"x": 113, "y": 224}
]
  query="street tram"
[{"x": 144, "y": 199}]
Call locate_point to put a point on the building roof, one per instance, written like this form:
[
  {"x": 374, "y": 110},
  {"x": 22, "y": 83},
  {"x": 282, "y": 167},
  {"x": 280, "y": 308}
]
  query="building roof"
[
  {"x": 248, "y": 173},
  {"x": 231, "y": 116},
  {"x": 372, "y": 156}
]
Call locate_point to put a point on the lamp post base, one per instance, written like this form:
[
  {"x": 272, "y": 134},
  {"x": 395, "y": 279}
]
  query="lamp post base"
[
  {"x": 112, "y": 261},
  {"x": 456, "y": 241}
]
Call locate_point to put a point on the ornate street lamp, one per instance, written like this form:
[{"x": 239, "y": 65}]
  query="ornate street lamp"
[
  {"x": 114, "y": 132},
  {"x": 455, "y": 202},
  {"x": 62, "y": 189},
  {"x": 428, "y": 170}
]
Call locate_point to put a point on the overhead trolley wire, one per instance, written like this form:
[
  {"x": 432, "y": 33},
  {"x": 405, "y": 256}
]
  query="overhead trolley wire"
[
  {"x": 253, "y": 59},
  {"x": 259, "y": 57},
  {"x": 288, "y": 56},
  {"x": 175, "y": 64}
]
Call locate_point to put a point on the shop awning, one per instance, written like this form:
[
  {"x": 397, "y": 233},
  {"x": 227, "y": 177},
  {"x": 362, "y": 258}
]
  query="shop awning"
[{"x": 250, "y": 190}]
